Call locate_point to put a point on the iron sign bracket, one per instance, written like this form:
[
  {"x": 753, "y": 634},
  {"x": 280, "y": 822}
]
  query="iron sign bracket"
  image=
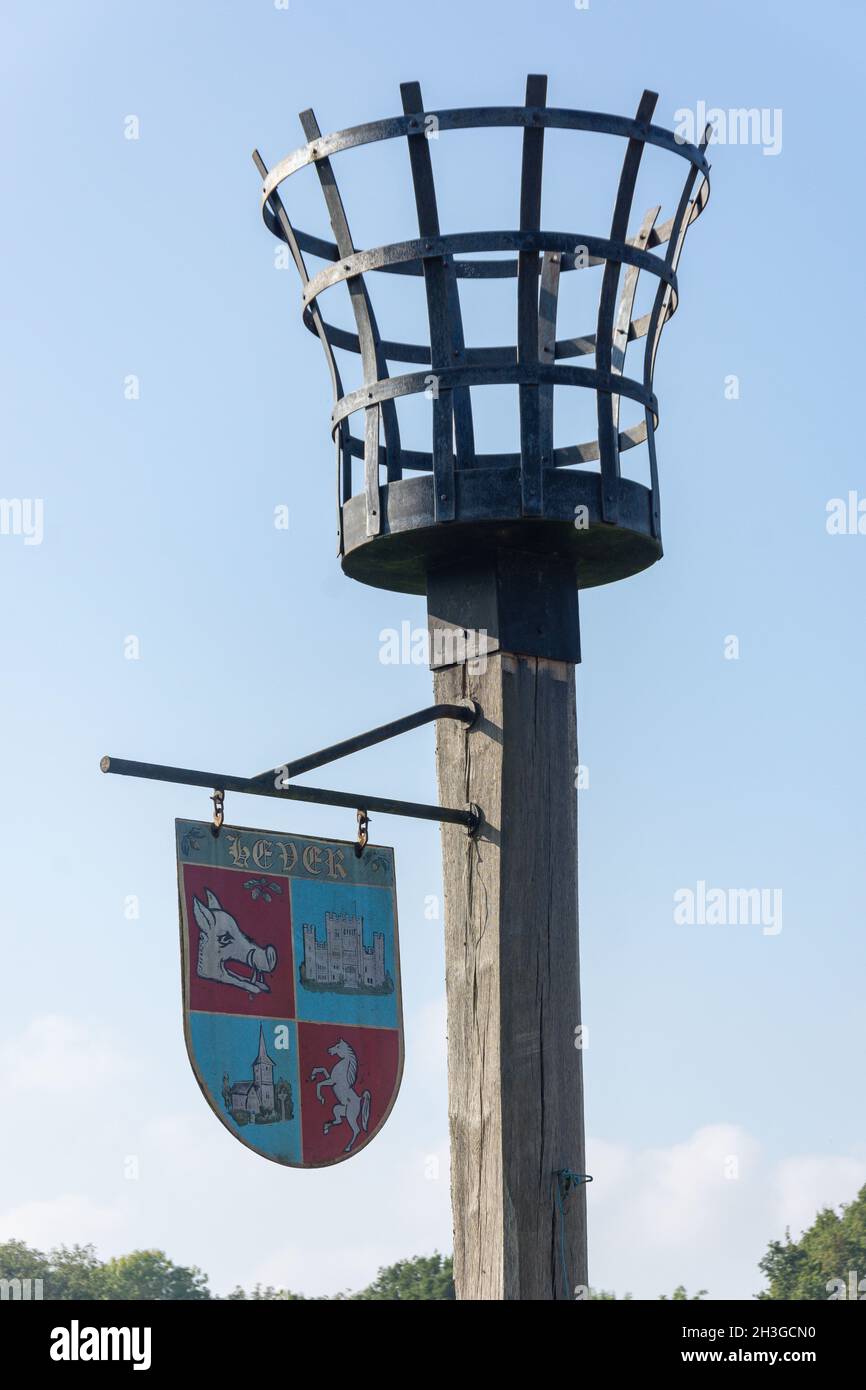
[{"x": 276, "y": 781}]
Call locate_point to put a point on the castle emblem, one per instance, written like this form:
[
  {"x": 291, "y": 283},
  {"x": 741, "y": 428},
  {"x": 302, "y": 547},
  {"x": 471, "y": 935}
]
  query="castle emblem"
[{"x": 341, "y": 963}]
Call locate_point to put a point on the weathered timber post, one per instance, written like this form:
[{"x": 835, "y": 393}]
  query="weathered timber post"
[
  {"x": 501, "y": 544},
  {"x": 514, "y": 1072},
  {"x": 515, "y": 1084}
]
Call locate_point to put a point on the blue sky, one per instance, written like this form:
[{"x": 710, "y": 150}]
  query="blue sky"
[{"x": 148, "y": 257}]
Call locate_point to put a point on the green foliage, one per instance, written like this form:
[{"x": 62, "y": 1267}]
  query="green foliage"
[
  {"x": 679, "y": 1295},
  {"x": 75, "y": 1272},
  {"x": 149, "y": 1274},
  {"x": 18, "y": 1261},
  {"x": 424, "y": 1277},
  {"x": 269, "y": 1293},
  {"x": 833, "y": 1245}
]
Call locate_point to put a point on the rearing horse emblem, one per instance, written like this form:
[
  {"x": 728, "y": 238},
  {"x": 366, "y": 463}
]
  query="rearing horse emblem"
[{"x": 348, "y": 1105}]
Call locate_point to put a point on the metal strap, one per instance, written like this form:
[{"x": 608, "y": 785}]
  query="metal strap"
[
  {"x": 607, "y": 434},
  {"x": 447, "y": 346}
]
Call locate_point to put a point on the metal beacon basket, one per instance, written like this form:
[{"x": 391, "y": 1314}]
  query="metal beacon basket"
[{"x": 417, "y": 513}]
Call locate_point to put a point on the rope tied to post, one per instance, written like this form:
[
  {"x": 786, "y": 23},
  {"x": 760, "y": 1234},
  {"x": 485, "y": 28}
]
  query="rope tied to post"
[{"x": 565, "y": 1181}]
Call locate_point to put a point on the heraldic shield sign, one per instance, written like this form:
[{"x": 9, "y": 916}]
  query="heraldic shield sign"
[{"x": 291, "y": 986}]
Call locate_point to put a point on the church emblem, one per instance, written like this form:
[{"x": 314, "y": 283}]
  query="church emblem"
[
  {"x": 291, "y": 985},
  {"x": 259, "y": 1099}
]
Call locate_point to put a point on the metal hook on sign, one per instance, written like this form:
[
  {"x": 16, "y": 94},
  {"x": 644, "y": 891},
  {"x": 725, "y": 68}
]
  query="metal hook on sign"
[
  {"x": 218, "y": 800},
  {"x": 363, "y": 833}
]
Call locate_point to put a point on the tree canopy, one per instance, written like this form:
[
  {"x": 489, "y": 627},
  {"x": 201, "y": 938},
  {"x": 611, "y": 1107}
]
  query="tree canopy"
[
  {"x": 820, "y": 1263},
  {"x": 76, "y": 1273},
  {"x": 828, "y": 1261}
]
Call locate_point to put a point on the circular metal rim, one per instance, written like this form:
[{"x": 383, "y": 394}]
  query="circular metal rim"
[
  {"x": 481, "y": 117},
  {"x": 541, "y": 373},
  {"x": 411, "y": 541},
  {"x": 434, "y": 248}
]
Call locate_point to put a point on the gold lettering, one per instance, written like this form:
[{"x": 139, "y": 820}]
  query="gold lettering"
[
  {"x": 288, "y": 854},
  {"x": 311, "y": 856},
  {"x": 262, "y": 854},
  {"x": 336, "y": 868},
  {"x": 238, "y": 853}
]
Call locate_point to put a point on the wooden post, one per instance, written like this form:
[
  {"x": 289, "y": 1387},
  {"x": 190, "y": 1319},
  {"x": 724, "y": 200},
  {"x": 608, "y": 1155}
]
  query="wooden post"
[{"x": 511, "y": 932}]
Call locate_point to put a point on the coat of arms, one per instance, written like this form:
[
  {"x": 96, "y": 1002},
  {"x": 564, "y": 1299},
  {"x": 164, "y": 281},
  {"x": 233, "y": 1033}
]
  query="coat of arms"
[{"x": 291, "y": 979}]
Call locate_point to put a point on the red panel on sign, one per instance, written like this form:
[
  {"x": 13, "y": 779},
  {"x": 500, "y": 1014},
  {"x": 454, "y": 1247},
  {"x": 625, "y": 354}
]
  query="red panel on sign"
[
  {"x": 348, "y": 1080},
  {"x": 240, "y": 942}
]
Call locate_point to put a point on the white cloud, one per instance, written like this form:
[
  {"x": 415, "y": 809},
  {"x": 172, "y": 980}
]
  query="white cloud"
[
  {"x": 665, "y": 1216},
  {"x": 659, "y": 1216},
  {"x": 206, "y": 1200},
  {"x": 324, "y": 1270},
  {"x": 345, "y": 1223},
  {"x": 62, "y": 1057},
  {"x": 71, "y": 1219},
  {"x": 809, "y": 1183}
]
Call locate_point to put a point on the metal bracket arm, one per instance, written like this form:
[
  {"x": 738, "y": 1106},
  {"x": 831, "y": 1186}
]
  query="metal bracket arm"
[
  {"x": 275, "y": 781},
  {"x": 467, "y": 714}
]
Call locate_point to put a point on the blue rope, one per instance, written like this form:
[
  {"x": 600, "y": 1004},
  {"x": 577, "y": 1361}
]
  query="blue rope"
[{"x": 565, "y": 1180}]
